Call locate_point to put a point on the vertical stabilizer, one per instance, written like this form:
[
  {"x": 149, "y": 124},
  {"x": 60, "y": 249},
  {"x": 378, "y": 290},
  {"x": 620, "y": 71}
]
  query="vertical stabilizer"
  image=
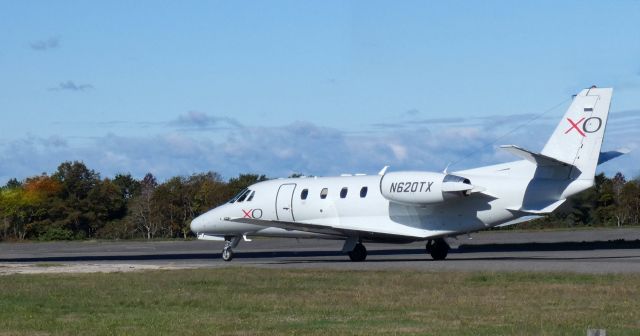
[{"x": 578, "y": 137}]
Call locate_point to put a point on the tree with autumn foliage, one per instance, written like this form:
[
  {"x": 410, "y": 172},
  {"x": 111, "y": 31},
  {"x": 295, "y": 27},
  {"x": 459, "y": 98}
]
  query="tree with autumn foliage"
[{"x": 24, "y": 207}]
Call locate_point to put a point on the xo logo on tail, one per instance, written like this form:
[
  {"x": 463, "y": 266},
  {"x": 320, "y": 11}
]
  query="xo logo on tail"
[{"x": 587, "y": 125}]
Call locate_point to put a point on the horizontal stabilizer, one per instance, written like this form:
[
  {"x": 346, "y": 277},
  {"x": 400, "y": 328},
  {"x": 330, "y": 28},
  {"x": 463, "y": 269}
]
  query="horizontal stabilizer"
[
  {"x": 606, "y": 156},
  {"x": 535, "y": 158}
]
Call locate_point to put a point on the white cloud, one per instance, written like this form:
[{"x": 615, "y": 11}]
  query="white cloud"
[
  {"x": 201, "y": 120},
  {"x": 279, "y": 151},
  {"x": 399, "y": 151}
]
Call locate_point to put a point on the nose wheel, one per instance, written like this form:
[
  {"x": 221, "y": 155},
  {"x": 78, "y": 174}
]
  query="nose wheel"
[
  {"x": 229, "y": 244},
  {"x": 227, "y": 253}
]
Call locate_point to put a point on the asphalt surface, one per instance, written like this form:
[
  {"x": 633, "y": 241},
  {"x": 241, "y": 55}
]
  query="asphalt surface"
[{"x": 589, "y": 251}]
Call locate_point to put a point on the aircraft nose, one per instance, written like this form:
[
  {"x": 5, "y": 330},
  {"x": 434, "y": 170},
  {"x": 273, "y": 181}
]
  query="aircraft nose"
[{"x": 197, "y": 224}]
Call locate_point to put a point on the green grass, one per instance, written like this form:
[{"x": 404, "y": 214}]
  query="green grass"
[{"x": 247, "y": 301}]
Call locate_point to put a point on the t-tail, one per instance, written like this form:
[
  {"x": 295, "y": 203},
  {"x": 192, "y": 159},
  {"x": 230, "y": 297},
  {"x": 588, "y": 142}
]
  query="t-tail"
[
  {"x": 568, "y": 161},
  {"x": 578, "y": 137},
  {"x": 573, "y": 151}
]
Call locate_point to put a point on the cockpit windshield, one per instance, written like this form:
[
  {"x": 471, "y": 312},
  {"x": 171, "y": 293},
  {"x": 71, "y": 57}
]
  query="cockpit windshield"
[
  {"x": 244, "y": 196},
  {"x": 238, "y": 195}
]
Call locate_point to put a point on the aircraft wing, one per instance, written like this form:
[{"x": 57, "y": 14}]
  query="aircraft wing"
[
  {"x": 520, "y": 220},
  {"x": 315, "y": 228},
  {"x": 339, "y": 232},
  {"x": 537, "y": 209}
]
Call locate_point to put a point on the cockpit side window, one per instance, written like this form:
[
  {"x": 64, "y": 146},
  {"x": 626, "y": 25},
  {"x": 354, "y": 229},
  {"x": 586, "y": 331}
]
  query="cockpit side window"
[{"x": 253, "y": 193}]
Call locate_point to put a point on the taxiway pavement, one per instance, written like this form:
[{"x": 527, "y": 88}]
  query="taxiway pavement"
[{"x": 586, "y": 251}]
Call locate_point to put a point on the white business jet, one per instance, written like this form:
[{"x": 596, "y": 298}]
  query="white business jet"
[{"x": 408, "y": 206}]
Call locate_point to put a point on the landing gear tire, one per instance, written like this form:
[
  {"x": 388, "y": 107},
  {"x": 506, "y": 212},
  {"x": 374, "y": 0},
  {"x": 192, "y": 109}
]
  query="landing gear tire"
[
  {"x": 227, "y": 254},
  {"x": 438, "y": 249},
  {"x": 229, "y": 243},
  {"x": 359, "y": 253}
]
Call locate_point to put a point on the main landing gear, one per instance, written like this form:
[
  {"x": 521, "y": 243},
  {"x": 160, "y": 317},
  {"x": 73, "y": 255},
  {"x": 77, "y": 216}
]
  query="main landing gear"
[
  {"x": 438, "y": 248},
  {"x": 359, "y": 253},
  {"x": 230, "y": 242},
  {"x": 354, "y": 248}
]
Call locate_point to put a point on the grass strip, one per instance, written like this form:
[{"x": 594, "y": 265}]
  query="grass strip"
[{"x": 249, "y": 301}]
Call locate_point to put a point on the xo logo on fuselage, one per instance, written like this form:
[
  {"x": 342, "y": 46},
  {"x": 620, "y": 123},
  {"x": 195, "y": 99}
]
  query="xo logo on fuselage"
[
  {"x": 252, "y": 213},
  {"x": 589, "y": 125}
]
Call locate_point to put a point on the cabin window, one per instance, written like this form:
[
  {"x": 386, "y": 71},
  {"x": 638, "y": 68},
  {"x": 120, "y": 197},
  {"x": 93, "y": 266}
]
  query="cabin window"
[
  {"x": 304, "y": 194},
  {"x": 343, "y": 192},
  {"x": 323, "y": 193},
  {"x": 363, "y": 192},
  {"x": 251, "y": 196}
]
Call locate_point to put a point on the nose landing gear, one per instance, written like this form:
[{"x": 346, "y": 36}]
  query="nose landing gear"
[
  {"x": 230, "y": 242},
  {"x": 227, "y": 253}
]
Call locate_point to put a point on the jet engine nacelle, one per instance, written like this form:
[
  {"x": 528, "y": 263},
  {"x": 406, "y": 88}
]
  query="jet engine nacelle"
[{"x": 419, "y": 188}]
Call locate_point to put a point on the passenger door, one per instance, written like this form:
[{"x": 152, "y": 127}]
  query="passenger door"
[{"x": 284, "y": 211}]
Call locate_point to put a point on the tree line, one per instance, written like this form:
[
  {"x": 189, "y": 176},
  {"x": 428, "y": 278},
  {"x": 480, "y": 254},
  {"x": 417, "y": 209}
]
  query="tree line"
[{"x": 76, "y": 203}]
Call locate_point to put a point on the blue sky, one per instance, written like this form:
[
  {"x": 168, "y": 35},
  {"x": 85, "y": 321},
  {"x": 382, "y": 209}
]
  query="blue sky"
[{"x": 316, "y": 87}]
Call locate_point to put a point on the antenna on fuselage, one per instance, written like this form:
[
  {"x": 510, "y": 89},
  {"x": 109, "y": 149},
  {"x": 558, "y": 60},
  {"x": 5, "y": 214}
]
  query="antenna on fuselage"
[
  {"x": 383, "y": 170},
  {"x": 446, "y": 168}
]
